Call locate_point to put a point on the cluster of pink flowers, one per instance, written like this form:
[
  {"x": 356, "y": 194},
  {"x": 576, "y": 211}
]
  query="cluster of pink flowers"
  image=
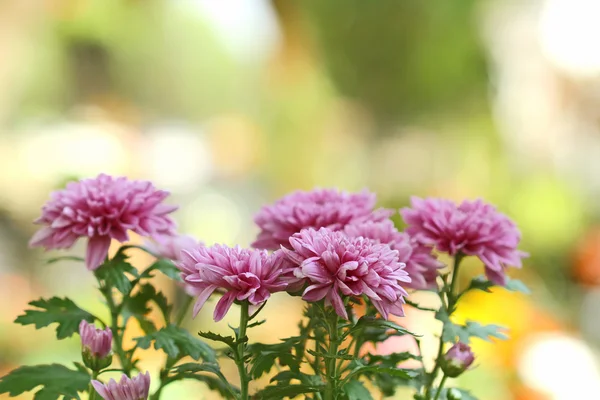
[
  {"x": 322, "y": 208},
  {"x": 472, "y": 228},
  {"x": 101, "y": 209},
  {"x": 421, "y": 264},
  {"x": 333, "y": 264},
  {"x": 136, "y": 388},
  {"x": 328, "y": 243}
]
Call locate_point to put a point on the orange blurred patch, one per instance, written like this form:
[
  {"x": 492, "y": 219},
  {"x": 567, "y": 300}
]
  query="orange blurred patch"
[
  {"x": 586, "y": 268},
  {"x": 525, "y": 393}
]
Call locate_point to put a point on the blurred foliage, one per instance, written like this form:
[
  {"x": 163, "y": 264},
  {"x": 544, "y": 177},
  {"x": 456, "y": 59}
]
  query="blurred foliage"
[{"x": 401, "y": 58}]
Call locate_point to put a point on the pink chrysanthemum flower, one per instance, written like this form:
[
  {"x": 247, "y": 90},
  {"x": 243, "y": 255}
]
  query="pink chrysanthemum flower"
[
  {"x": 473, "y": 228},
  {"x": 421, "y": 264},
  {"x": 244, "y": 274},
  {"x": 101, "y": 209},
  {"x": 136, "y": 388},
  {"x": 319, "y": 208},
  {"x": 335, "y": 265},
  {"x": 170, "y": 247}
]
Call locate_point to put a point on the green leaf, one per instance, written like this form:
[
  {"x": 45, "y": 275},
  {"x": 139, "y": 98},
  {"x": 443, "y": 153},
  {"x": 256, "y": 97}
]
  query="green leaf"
[
  {"x": 377, "y": 370},
  {"x": 257, "y": 323},
  {"x": 355, "y": 390},
  {"x": 166, "y": 267},
  {"x": 419, "y": 307},
  {"x": 463, "y": 333},
  {"x": 285, "y": 377},
  {"x": 265, "y": 355},
  {"x": 481, "y": 283},
  {"x": 56, "y": 380},
  {"x": 228, "y": 340},
  {"x": 64, "y": 258},
  {"x": 220, "y": 383},
  {"x": 373, "y": 329},
  {"x": 55, "y": 310},
  {"x": 485, "y": 332},
  {"x": 390, "y": 360},
  {"x": 114, "y": 273},
  {"x": 137, "y": 306},
  {"x": 516, "y": 285},
  {"x": 177, "y": 343},
  {"x": 279, "y": 392}
]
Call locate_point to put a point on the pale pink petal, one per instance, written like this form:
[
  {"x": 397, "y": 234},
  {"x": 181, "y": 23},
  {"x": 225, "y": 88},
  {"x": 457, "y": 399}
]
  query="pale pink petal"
[
  {"x": 97, "y": 251},
  {"x": 223, "y": 306}
]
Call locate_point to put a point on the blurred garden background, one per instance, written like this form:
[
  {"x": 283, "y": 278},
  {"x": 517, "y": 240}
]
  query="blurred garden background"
[{"x": 230, "y": 104}]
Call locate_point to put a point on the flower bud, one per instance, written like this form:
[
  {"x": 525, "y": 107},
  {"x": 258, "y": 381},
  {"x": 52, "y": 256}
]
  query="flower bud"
[
  {"x": 95, "y": 346},
  {"x": 457, "y": 360},
  {"x": 135, "y": 388}
]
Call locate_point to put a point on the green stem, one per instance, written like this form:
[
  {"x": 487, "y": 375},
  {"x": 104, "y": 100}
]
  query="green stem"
[
  {"x": 449, "y": 308},
  {"x": 116, "y": 330},
  {"x": 439, "y": 390},
  {"x": 331, "y": 365},
  {"x": 92, "y": 390},
  {"x": 241, "y": 350},
  {"x": 183, "y": 310},
  {"x": 452, "y": 297}
]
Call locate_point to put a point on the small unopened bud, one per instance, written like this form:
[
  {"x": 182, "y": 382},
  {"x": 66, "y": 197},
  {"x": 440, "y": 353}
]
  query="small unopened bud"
[
  {"x": 95, "y": 346},
  {"x": 457, "y": 360}
]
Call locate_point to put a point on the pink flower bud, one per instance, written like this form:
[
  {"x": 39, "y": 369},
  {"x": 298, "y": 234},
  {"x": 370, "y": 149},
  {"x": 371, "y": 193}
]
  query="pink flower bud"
[
  {"x": 96, "y": 345},
  {"x": 126, "y": 389},
  {"x": 457, "y": 360}
]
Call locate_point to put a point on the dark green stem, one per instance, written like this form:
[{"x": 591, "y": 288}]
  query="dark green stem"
[
  {"x": 449, "y": 308},
  {"x": 241, "y": 350},
  {"x": 183, "y": 310},
  {"x": 452, "y": 296},
  {"x": 116, "y": 330},
  {"x": 439, "y": 390},
  {"x": 331, "y": 364}
]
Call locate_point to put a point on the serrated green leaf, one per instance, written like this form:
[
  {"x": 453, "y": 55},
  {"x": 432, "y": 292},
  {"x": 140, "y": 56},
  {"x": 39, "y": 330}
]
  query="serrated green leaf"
[
  {"x": 372, "y": 322},
  {"x": 390, "y": 360},
  {"x": 265, "y": 355},
  {"x": 177, "y": 342},
  {"x": 228, "y": 340},
  {"x": 56, "y": 380},
  {"x": 280, "y": 392},
  {"x": 463, "y": 333},
  {"x": 418, "y": 306},
  {"x": 64, "y": 312},
  {"x": 377, "y": 370},
  {"x": 137, "y": 306},
  {"x": 166, "y": 267},
  {"x": 355, "y": 390},
  {"x": 485, "y": 332},
  {"x": 114, "y": 273},
  {"x": 481, "y": 283}
]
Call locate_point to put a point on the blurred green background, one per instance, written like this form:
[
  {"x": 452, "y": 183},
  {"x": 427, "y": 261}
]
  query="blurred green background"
[{"x": 230, "y": 104}]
